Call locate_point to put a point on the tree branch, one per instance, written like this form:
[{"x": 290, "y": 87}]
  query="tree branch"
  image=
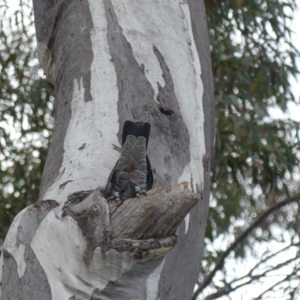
[
  {"x": 138, "y": 225},
  {"x": 273, "y": 286},
  {"x": 228, "y": 288},
  {"x": 249, "y": 274},
  {"x": 240, "y": 239}
]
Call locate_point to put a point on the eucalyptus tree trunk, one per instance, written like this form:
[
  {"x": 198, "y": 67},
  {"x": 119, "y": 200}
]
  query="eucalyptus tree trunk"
[{"x": 111, "y": 61}]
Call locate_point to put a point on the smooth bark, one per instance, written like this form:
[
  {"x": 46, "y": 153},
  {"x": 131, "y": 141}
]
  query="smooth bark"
[{"x": 112, "y": 61}]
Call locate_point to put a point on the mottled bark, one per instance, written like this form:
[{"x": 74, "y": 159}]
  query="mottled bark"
[{"x": 112, "y": 61}]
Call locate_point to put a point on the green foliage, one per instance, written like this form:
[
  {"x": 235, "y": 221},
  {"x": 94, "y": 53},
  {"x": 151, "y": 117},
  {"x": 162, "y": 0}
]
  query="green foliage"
[
  {"x": 25, "y": 114},
  {"x": 256, "y": 154}
]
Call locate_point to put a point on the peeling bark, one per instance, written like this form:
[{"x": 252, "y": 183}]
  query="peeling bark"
[
  {"x": 117, "y": 237},
  {"x": 112, "y": 61}
]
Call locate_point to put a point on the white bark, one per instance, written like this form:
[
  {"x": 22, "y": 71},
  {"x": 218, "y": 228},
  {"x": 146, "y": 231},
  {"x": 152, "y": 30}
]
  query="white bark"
[{"x": 160, "y": 42}]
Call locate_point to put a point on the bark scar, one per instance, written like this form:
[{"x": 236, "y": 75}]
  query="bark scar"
[
  {"x": 64, "y": 184},
  {"x": 205, "y": 160},
  {"x": 82, "y": 147}
]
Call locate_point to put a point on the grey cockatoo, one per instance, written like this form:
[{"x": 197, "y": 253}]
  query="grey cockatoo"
[{"x": 132, "y": 173}]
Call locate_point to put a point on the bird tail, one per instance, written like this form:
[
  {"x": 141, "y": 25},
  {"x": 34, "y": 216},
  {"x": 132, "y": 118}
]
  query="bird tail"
[{"x": 136, "y": 129}]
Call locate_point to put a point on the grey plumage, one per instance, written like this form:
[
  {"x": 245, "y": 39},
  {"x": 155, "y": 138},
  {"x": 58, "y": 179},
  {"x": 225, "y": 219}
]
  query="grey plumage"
[{"x": 132, "y": 173}]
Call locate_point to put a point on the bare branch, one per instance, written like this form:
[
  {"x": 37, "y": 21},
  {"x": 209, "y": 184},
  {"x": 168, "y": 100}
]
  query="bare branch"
[
  {"x": 240, "y": 239},
  {"x": 228, "y": 288},
  {"x": 156, "y": 215},
  {"x": 273, "y": 286},
  {"x": 249, "y": 274},
  {"x": 148, "y": 221}
]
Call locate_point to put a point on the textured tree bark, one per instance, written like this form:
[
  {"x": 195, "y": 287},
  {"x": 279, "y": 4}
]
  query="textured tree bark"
[{"x": 112, "y": 61}]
